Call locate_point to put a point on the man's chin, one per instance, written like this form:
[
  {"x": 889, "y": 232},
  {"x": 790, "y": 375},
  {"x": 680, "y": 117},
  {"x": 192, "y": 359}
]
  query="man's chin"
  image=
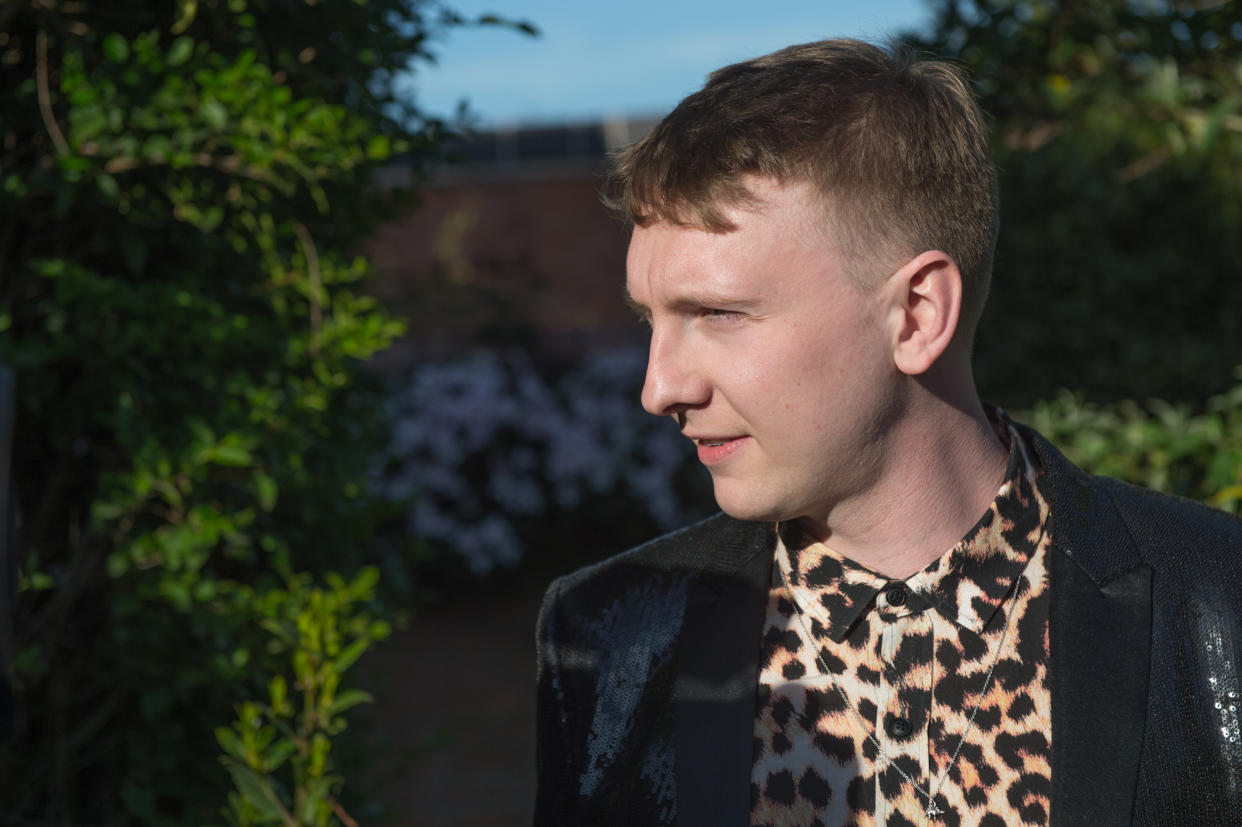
[{"x": 747, "y": 506}]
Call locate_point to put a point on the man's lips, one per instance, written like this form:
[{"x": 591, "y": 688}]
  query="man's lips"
[{"x": 715, "y": 449}]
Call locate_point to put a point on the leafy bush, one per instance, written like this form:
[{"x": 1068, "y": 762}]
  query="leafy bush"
[
  {"x": 181, "y": 191},
  {"x": 1160, "y": 445},
  {"x": 322, "y": 631},
  {"x": 1117, "y": 127}
]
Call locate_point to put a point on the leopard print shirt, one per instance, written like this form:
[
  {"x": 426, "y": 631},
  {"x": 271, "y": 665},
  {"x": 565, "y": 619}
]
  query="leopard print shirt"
[{"x": 912, "y": 657}]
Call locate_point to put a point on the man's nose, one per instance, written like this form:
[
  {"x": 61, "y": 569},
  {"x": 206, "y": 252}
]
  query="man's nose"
[{"x": 673, "y": 383}]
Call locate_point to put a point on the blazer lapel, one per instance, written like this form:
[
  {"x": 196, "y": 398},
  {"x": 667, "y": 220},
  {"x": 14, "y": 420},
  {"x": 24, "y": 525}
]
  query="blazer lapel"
[
  {"x": 1100, "y": 640},
  {"x": 715, "y": 701},
  {"x": 1099, "y": 646}
]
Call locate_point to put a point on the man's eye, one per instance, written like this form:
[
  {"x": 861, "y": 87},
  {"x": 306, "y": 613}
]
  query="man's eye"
[{"x": 717, "y": 313}]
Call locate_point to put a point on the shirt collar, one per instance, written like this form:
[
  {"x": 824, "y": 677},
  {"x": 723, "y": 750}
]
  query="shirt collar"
[{"x": 968, "y": 584}]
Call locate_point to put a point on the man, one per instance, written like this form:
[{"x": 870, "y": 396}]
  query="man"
[{"x": 913, "y": 610}]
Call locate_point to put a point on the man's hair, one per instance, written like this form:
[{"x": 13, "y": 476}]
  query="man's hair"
[{"x": 896, "y": 147}]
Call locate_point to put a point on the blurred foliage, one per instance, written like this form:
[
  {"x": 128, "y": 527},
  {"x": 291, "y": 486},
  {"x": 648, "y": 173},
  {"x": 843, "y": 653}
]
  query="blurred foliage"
[
  {"x": 1118, "y": 132},
  {"x": 181, "y": 189},
  {"x": 1160, "y": 445}
]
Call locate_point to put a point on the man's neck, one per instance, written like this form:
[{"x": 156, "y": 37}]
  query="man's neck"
[{"x": 942, "y": 468}]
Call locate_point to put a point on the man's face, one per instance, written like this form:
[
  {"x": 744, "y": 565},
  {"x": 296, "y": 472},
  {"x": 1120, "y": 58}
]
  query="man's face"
[{"x": 772, "y": 359}]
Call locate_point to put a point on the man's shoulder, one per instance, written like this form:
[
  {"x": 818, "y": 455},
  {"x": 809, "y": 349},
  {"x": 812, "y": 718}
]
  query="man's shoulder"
[
  {"x": 1172, "y": 534},
  {"x": 1170, "y": 511},
  {"x": 716, "y": 544},
  {"x": 1164, "y": 525}
]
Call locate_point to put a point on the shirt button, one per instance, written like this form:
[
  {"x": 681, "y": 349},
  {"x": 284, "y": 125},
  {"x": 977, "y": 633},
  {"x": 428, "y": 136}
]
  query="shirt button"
[
  {"x": 896, "y": 594},
  {"x": 899, "y": 727}
]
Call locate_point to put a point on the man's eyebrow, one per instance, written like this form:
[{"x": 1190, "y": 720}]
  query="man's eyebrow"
[{"x": 694, "y": 301}]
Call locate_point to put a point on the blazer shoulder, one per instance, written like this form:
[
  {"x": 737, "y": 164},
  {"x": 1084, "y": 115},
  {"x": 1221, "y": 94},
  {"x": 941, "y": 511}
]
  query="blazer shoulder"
[
  {"x": 1170, "y": 530},
  {"x": 718, "y": 544},
  {"x": 1108, "y": 525}
]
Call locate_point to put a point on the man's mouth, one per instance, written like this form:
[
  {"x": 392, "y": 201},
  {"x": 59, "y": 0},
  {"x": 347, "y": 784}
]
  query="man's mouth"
[{"x": 716, "y": 449}]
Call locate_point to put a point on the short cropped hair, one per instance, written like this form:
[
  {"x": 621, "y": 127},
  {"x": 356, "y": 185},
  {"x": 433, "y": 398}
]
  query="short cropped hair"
[{"x": 896, "y": 147}]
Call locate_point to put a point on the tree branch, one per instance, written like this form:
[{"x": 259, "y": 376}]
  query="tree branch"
[
  {"x": 45, "y": 96},
  {"x": 1148, "y": 163},
  {"x": 312, "y": 275},
  {"x": 345, "y": 817},
  {"x": 229, "y": 164}
]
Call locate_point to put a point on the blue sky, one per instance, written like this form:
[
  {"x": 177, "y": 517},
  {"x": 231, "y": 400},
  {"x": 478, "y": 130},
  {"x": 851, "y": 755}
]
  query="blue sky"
[{"x": 596, "y": 59}]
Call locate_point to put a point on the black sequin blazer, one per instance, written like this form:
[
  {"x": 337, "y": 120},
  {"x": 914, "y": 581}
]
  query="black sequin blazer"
[{"x": 648, "y": 667}]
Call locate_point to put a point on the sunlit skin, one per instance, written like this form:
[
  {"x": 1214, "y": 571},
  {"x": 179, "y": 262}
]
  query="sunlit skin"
[{"x": 810, "y": 394}]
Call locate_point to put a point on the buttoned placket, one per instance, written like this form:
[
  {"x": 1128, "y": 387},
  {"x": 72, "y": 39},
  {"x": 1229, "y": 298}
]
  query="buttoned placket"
[
  {"x": 903, "y": 696},
  {"x": 903, "y": 699}
]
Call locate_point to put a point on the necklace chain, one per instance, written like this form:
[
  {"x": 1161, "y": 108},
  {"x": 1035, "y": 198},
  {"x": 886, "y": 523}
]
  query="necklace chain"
[{"x": 929, "y": 792}]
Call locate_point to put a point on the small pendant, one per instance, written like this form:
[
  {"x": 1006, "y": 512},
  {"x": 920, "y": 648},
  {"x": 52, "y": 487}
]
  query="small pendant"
[{"x": 932, "y": 810}]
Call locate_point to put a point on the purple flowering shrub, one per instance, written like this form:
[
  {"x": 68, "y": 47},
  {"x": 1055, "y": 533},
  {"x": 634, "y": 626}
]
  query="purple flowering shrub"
[{"x": 498, "y": 459}]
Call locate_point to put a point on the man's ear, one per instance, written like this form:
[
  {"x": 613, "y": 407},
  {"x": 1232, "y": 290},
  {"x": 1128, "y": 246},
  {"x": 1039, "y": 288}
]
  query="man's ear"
[{"x": 926, "y": 304}]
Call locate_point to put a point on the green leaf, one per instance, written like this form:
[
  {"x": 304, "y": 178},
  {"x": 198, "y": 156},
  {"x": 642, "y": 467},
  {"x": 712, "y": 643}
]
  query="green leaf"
[
  {"x": 278, "y": 753},
  {"x": 267, "y": 491},
  {"x": 378, "y": 148},
  {"x": 365, "y": 582},
  {"x": 349, "y": 654},
  {"x": 116, "y": 48},
  {"x": 205, "y": 589},
  {"x": 1226, "y": 495},
  {"x": 178, "y": 593},
  {"x": 348, "y": 700},
  {"x": 73, "y": 163},
  {"x": 278, "y": 630},
  {"x": 256, "y": 791},
  {"x": 180, "y": 50},
  {"x": 315, "y": 794},
  {"x": 230, "y": 743},
  {"x": 321, "y": 745},
  {"x": 214, "y": 113},
  {"x": 231, "y": 455},
  {"x": 106, "y": 511},
  {"x": 34, "y": 581},
  {"x": 186, "y": 9},
  {"x": 107, "y": 185},
  {"x": 29, "y": 661}
]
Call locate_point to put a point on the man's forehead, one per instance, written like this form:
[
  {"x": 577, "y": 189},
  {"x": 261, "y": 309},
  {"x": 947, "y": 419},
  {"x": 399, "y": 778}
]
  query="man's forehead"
[{"x": 683, "y": 268}]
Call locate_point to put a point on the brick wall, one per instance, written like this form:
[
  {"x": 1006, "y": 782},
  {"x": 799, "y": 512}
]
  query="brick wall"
[{"x": 507, "y": 250}]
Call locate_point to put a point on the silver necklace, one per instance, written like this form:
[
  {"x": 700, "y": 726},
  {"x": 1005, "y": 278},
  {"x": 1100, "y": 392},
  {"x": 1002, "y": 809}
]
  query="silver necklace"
[{"x": 930, "y": 792}]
